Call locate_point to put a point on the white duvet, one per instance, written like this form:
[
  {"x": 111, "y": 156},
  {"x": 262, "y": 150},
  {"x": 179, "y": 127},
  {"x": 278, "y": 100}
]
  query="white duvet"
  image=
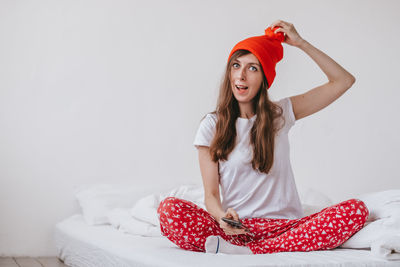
[{"x": 139, "y": 217}]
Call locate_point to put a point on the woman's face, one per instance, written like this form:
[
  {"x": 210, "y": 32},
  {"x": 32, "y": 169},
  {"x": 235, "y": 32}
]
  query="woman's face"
[{"x": 246, "y": 77}]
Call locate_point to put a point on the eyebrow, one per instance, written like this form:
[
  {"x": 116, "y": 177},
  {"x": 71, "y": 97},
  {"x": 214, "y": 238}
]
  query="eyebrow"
[{"x": 252, "y": 63}]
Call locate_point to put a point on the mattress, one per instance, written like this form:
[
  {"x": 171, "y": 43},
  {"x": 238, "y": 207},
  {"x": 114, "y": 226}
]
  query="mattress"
[{"x": 81, "y": 245}]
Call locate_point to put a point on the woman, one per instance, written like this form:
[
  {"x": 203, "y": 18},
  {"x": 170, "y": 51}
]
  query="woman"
[{"x": 243, "y": 148}]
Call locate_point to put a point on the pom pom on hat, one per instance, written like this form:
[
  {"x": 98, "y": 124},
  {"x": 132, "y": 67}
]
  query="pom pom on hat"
[{"x": 267, "y": 48}]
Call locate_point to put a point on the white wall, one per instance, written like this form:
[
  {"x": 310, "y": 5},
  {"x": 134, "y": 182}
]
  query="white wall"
[{"x": 113, "y": 91}]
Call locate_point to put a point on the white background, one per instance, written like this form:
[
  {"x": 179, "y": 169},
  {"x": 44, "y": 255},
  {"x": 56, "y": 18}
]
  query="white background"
[{"x": 113, "y": 92}]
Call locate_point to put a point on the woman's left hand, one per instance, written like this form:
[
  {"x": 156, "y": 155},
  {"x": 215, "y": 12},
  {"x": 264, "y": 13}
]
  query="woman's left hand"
[{"x": 291, "y": 35}]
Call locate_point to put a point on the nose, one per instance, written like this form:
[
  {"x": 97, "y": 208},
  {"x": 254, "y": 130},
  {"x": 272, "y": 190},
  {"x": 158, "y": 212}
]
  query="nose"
[{"x": 242, "y": 74}]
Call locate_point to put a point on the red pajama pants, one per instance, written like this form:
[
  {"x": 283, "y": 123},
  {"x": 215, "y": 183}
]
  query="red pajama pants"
[{"x": 188, "y": 226}]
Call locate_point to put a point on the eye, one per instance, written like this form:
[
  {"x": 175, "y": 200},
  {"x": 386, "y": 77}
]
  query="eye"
[
  {"x": 234, "y": 64},
  {"x": 254, "y": 68}
]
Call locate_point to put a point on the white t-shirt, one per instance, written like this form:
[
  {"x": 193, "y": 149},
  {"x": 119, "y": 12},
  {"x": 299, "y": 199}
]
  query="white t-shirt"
[{"x": 250, "y": 193}]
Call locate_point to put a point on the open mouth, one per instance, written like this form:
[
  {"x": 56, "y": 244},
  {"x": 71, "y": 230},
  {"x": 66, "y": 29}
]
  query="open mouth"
[{"x": 241, "y": 88}]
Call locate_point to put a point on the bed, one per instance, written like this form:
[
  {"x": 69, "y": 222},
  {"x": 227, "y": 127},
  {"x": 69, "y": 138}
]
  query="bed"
[{"x": 83, "y": 244}]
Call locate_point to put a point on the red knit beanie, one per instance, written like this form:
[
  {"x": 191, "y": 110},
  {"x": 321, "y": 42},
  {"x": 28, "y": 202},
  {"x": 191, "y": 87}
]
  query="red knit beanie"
[{"x": 267, "y": 48}]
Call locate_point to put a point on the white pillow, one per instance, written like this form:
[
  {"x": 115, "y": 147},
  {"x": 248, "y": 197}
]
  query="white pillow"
[
  {"x": 146, "y": 208},
  {"x": 97, "y": 201},
  {"x": 382, "y": 204}
]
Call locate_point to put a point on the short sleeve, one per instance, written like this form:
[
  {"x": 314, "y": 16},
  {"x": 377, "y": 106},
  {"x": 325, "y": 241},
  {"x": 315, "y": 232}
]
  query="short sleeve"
[
  {"x": 288, "y": 114},
  {"x": 206, "y": 131}
]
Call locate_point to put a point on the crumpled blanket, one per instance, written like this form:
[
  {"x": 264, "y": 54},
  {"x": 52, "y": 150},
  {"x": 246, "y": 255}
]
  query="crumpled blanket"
[{"x": 387, "y": 247}]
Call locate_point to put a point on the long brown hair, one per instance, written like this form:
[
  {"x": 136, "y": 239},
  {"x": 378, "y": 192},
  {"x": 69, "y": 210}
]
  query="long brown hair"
[{"x": 262, "y": 134}]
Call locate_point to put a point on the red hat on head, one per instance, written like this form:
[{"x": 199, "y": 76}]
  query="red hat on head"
[{"x": 267, "y": 48}]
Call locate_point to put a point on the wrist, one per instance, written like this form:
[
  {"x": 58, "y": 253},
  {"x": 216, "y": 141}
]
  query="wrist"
[
  {"x": 302, "y": 44},
  {"x": 219, "y": 216}
]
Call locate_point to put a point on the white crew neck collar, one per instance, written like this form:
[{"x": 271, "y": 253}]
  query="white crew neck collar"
[{"x": 246, "y": 119}]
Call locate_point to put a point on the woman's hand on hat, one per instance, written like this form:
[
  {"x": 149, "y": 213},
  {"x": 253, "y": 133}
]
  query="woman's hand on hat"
[{"x": 291, "y": 35}]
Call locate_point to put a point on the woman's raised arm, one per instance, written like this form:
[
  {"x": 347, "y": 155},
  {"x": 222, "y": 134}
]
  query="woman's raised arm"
[{"x": 339, "y": 80}]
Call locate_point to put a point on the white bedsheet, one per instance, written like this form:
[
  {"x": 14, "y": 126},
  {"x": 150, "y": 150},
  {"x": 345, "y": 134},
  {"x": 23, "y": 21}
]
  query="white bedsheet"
[{"x": 81, "y": 245}]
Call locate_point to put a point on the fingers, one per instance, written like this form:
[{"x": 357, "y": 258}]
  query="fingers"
[
  {"x": 229, "y": 230},
  {"x": 280, "y": 30},
  {"x": 232, "y": 214},
  {"x": 280, "y": 23},
  {"x": 235, "y": 232}
]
